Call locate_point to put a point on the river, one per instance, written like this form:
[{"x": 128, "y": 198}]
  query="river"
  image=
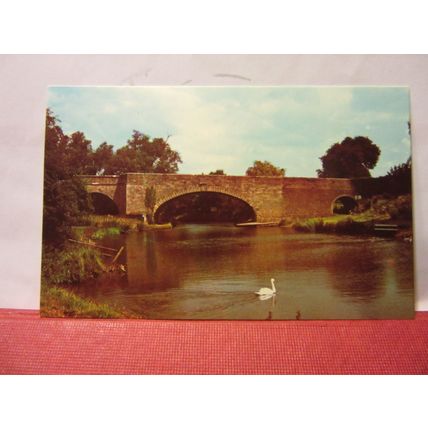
[{"x": 212, "y": 271}]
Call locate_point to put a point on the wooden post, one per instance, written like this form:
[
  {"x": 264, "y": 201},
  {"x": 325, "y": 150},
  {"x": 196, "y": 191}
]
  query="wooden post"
[{"x": 117, "y": 255}]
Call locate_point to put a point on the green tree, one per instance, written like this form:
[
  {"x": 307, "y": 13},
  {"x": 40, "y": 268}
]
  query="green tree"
[
  {"x": 142, "y": 154},
  {"x": 102, "y": 159},
  {"x": 217, "y": 172},
  {"x": 64, "y": 202},
  {"x": 64, "y": 198},
  {"x": 79, "y": 155},
  {"x": 55, "y": 147},
  {"x": 352, "y": 158},
  {"x": 265, "y": 168},
  {"x": 65, "y": 155}
]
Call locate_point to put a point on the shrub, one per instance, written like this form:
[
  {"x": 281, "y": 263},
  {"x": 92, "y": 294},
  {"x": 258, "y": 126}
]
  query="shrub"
[{"x": 70, "y": 265}]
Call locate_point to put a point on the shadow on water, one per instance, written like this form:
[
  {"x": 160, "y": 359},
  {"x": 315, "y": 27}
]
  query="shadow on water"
[{"x": 206, "y": 272}]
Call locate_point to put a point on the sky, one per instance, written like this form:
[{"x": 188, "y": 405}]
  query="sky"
[{"x": 230, "y": 127}]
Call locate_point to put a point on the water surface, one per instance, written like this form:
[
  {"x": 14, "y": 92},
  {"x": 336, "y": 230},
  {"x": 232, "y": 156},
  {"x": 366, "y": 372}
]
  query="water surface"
[{"x": 212, "y": 272}]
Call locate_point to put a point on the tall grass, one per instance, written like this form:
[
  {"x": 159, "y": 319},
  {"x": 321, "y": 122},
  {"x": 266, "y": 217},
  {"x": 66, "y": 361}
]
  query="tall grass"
[
  {"x": 70, "y": 265},
  {"x": 124, "y": 223}
]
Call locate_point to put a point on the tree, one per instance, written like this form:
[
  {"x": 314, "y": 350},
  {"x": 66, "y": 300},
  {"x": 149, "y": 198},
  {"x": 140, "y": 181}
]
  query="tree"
[
  {"x": 65, "y": 155},
  {"x": 352, "y": 158},
  {"x": 217, "y": 172},
  {"x": 142, "y": 154},
  {"x": 64, "y": 202},
  {"x": 55, "y": 146},
  {"x": 102, "y": 158},
  {"x": 399, "y": 178},
  {"x": 265, "y": 168},
  {"x": 64, "y": 198},
  {"x": 79, "y": 155}
]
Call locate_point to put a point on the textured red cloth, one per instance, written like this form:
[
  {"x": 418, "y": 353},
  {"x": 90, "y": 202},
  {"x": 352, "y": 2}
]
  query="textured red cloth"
[{"x": 29, "y": 344}]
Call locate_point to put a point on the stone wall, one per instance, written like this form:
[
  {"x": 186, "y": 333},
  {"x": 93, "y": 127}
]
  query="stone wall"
[
  {"x": 272, "y": 198},
  {"x": 113, "y": 186}
]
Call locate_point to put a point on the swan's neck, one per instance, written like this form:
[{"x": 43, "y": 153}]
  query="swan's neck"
[{"x": 273, "y": 285}]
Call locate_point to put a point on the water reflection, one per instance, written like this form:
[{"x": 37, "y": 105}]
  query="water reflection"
[{"x": 203, "y": 271}]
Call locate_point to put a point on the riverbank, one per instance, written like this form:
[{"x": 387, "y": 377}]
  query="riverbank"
[
  {"x": 57, "y": 302},
  {"x": 123, "y": 224},
  {"x": 377, "y": 210},
  {"x": 73, "y": 265},
  {"x": 79, "y": 260}
]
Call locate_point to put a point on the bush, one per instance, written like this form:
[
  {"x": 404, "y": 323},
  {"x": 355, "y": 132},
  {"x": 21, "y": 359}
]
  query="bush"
[
  {"x": 70, "y": 265},
  {"x": 106, "y": 231},
  {"x": 400, "y": 208},
  {"x": 65, "y": 201}
]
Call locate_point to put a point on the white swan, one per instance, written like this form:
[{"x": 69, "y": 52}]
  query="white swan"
[{"x": 265, "y": 291}]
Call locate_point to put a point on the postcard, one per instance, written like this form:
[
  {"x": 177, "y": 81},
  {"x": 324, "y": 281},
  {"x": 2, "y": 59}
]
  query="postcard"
[{"x": 232, "y": 202}]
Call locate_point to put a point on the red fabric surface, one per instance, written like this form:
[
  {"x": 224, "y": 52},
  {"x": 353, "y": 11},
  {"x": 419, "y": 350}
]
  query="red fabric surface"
[{"x": 29, "y": 344}]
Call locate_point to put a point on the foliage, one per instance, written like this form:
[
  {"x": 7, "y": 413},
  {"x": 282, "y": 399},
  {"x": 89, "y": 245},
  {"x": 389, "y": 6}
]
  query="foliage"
[
  {"x": 217, "y": 172},
  {"x": 108, "y": 231},
  {"x": 109, "y": 221},
  {"x": 65, "y": 155},
  {"x": 102, "y": 158},
  {"x": 399, "y": 178},
  {"x": 265, "y": 168},
  {"x": 351, "y": 158},
  {"x": 65, "y": 198},
  {"x": 72, "y": 155},
  {"x": 142, "y": 154},
  {"x": 58, "y": 302},
  {"x": 340, "y": 225},
  {"x": 395, "y": 208},
  {"x": 65, "y": 201},
  {"x": 70, "y": 265}
]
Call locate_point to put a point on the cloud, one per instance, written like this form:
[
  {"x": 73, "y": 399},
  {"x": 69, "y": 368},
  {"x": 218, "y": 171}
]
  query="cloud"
[{"x": 230, "y": 127}]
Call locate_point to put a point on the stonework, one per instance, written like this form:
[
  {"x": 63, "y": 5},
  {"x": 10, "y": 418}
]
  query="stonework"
[{"x": 272, "y": 198}]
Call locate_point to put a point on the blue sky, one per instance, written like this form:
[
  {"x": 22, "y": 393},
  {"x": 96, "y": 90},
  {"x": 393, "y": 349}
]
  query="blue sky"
[{"x": 230, "y": 127}]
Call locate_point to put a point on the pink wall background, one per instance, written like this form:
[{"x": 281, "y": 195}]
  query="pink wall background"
[{"x": 23, "y": 95}]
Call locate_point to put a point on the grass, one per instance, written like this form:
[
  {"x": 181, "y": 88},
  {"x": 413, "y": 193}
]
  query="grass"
[
  {"x": 106, "y": 231},
  {"x": 355, "y": 224},
  {"x": 71, "y": 265},
  {"x": 124, "y": 224},
  {"x": 74, "y": 264},
  {"x": 378, "y": 209},
  {"x": 58, "y": 302}
]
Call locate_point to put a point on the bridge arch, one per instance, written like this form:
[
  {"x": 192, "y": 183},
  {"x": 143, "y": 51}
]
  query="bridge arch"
[
  {"x": 162, "y": 203},
  {"x": 343, "y": 204},
  {"x": 103, "y": 204}
]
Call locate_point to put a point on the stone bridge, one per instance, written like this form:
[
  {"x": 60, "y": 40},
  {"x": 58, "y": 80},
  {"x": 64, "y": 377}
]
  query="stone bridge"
[{"x": 271, "y": 198}]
